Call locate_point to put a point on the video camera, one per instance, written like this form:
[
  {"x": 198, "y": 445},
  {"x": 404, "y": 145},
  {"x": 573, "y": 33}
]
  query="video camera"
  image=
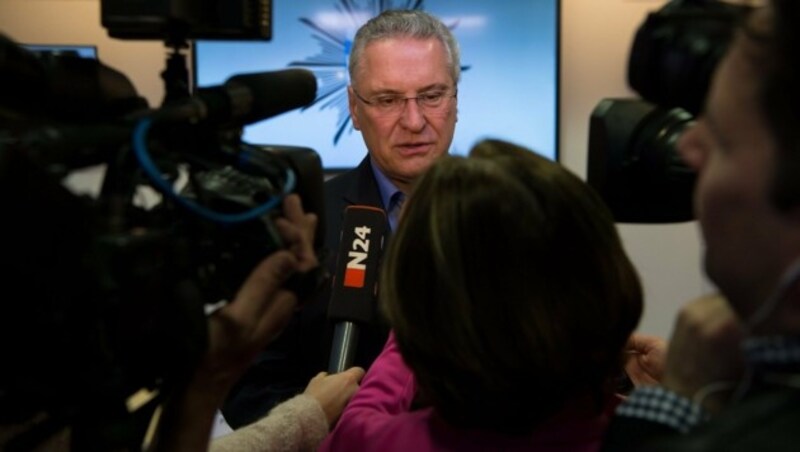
[
  {"x": 633, "y": 162},
  {"x": 111, "y": 291}
]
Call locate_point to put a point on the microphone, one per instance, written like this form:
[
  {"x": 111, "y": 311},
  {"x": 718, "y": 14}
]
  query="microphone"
[
  {"x": 247, "y": 98},
  {"x": 355, "y": 280}
]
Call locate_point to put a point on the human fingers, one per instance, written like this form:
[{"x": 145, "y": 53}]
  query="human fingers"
[
  {"x": 645, "y": 358},
  {"x": 705, "y": 348},
  {"x": 256, "y": 294},
  {"x": 356, "y": 373},
  {"x": 294, "y": 213},
  {"x": 297, "y": 229},
  {"x": 641, "y": 371},
  {"x": 644, "y": 344},
  {"x": 333, "y": 391},
  {"x": 237, "y": 331},
  {"x": 323, "y": 380}
]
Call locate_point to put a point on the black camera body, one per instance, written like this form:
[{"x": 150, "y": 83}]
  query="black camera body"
[
  {"x": 194, "y": 19},
  {"x": 632, "y": 160},
  {"x": 633, "y": 163}
]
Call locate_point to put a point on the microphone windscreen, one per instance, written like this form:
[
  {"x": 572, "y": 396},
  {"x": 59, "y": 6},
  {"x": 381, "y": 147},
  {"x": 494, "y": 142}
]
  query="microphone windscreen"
[
  {"x": 273, "y": 93},
  {"x": 355, "y": 280}
]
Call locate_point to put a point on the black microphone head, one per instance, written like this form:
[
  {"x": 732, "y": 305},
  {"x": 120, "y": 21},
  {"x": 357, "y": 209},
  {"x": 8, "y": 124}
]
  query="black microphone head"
[
  {"x": 355, "y": 281},
  {"x": 273, "y": 93}
]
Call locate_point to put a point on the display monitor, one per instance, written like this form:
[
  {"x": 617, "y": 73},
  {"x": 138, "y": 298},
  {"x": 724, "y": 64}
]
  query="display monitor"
[
  {"x": 83, "y": 51},
  {"x": 508, "y": 87}
]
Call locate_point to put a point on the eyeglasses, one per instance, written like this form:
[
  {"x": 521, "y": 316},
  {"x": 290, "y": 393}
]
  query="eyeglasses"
[{"x": 392, "y": 104}]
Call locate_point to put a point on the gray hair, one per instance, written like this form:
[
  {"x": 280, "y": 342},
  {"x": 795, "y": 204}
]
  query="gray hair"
[{"x": 405, "y": 23}]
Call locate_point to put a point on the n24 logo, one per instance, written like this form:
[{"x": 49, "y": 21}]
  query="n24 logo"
[{"x": 356, "y": 267}]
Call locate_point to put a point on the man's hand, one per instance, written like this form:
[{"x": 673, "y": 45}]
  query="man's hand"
[
  {"x": 262, "y": 307},
  {"x": 238, "y": 331},
  {"x": 705, "y": 349},
  {"x": 645, "y": 358}
]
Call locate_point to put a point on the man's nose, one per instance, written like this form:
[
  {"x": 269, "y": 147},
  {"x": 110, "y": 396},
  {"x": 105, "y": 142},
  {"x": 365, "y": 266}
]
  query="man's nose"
[{"x": 412, "y": 117}]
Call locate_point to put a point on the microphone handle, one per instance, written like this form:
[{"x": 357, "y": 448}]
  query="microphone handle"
[{"x": 345, "y": 340}]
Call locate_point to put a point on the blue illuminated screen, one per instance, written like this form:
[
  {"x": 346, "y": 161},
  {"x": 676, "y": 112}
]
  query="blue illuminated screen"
[
  {"x": 83, "y": 51},
  {"x": 508, "y": 87}
]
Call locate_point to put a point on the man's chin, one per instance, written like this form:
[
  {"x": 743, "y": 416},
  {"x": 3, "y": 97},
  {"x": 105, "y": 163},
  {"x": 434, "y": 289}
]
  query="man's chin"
[{"x": 413, "y": 168}]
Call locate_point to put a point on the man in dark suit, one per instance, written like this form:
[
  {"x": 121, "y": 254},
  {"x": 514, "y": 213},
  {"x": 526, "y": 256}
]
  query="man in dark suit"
[
  {"x": 731, "y": 380},
  {"x": 404, "y": 71}
]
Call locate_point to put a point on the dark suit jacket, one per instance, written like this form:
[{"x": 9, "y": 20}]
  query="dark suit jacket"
[
  {"x": 766, "y": 420},
  {"x": 303, "y": 349}
]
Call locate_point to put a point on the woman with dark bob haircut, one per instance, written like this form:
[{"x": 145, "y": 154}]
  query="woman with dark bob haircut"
[{"x": 510, "y": 299}]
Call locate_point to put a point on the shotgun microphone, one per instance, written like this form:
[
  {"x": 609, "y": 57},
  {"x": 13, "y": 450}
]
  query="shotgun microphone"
[
  {"x": 247, "y": 98},
  {"x": 355, "y": 280}
]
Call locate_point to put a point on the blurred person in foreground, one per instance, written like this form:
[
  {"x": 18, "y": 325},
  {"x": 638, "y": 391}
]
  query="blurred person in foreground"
[{"x": 731, "y": 376}]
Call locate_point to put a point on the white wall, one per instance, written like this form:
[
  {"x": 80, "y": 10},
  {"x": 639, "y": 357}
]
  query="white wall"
[
  {"x": 595, "y": 35},
  {"x": 78, "y": 22}
]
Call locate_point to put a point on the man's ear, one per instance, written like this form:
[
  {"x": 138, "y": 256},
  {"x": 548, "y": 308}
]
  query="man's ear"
[{"x": 351, "y": 104}]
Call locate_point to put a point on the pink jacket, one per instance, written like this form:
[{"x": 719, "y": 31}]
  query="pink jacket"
[{"x": 378, "y": 419}]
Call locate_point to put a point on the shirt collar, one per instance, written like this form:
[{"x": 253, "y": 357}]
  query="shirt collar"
[
  {"x": 773, "y": 351},
  {"x": 386, "y": 188}
]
